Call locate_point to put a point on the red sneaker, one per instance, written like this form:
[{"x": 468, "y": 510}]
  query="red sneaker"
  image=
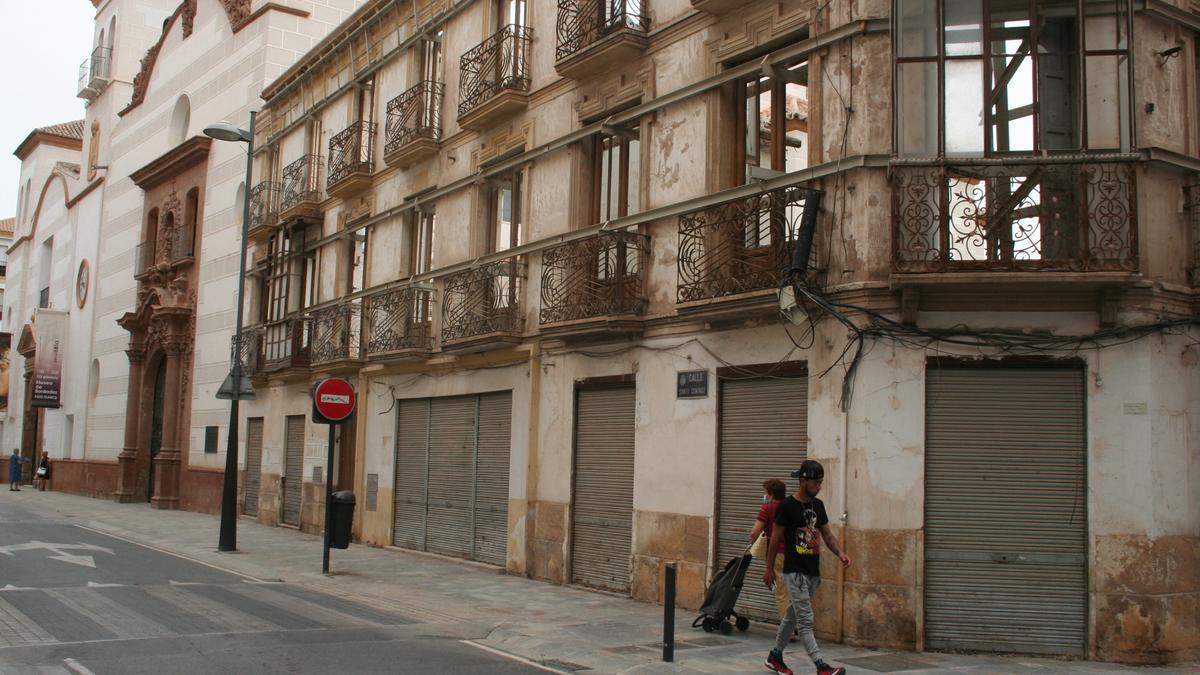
[
  {"x": 826, "y": 669},
  {"x": 774, "y": 663}
]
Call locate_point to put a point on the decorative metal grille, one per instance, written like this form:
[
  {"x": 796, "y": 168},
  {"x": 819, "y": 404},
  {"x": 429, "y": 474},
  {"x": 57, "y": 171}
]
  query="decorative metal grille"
[
  {"x": 352, "y": 151},
  {"x": 264, "y": 204},
  {"x": 739, "y": 246},
  {"x": 582, "y": 23},
  {"x": 498, "y": 63},
  {"x": 251, "y": 351},
  {"x": 482, "y": 300},
  {"x": 144, "y": 258},
  {"x": 603, "y": 275},
  {"x": 336, "y": 333},
  {"x": 414, "y": 115},
  {"x": 1036, "y": 216},
  {"x": 398, "y": 320},
  {"x": 286, "y": 343},
  {"x": 301, "y": 182}
]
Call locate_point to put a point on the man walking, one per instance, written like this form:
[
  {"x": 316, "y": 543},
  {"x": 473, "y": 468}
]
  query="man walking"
[
  {"x": 14, "y": 471},
  {"x": 800, "y": 518}
]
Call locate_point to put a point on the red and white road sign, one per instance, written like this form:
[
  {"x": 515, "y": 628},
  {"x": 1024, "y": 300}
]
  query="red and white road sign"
[{"x": 334, "y": 399}]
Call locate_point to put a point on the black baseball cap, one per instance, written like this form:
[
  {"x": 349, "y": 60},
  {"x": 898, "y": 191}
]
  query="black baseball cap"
[{"x": 810, "y": 469}]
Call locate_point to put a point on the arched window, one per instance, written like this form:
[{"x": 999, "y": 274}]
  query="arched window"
[
  {"x": 112, "y": 32},
  {"x": 145, "y": 257},
  {"x": 181, "y": 118},
  {"x": 191, "y": 215}
]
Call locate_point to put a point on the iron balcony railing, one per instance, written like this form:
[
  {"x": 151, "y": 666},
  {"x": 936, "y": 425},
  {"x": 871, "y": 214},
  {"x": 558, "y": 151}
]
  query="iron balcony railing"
[
  {"x": 583, "y": 23},
  {"x": 285, "y": 343},
  {"x": 414, "y": 115},
  {"x": 399, "y": 320},
  {"x": 144, "y": 257},
  {"x": 95, "y": 71},
  {"x": 301, "y": 182},
  {"x": 351, "y": 151},
  {"x": 483, "y": 300},
  {"x": 250, "y": 351},
  {"x": 264, "y": 205},
  {"x": 183, "y": 243},
  {"x": 602, "y": 275},
  {"x": 336, "y": 333},
  {"x": 738, "y": 246},
  {"x": 500, "y": 62},
  {"x": 1040, "y": 215}
]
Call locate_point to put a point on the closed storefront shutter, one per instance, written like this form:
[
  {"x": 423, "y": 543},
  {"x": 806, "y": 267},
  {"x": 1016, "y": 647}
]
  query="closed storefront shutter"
[
  {"x": 763, "y": 434},
  {"x": 451, "y": 489},
  {"x": 254, "y": 441},
  {"x": 1006, "y": 510},
  {"x": 451, "y": 479},
  {"x": 293, "y": 469},
  {"x": 491, "y": 487},
  {"x": 602, "y": 506},
  {"x": 412, "y": 443}
]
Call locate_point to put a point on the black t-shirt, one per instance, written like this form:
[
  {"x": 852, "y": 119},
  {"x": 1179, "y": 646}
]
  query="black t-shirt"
[{"x": 801, "y": 522}]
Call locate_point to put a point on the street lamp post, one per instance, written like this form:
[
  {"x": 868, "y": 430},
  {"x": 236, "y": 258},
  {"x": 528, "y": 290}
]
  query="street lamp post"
[{"x": 236, "y": 386}]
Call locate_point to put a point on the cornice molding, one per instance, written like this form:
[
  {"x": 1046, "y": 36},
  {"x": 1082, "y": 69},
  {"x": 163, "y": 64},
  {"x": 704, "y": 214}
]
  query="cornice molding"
[
  {"x": 179, "y": 159},
  {"x": 38, "y": 137}
]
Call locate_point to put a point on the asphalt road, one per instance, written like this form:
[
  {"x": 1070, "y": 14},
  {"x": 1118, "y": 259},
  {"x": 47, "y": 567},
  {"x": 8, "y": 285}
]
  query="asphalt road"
[{"x": 73, "y": 600}]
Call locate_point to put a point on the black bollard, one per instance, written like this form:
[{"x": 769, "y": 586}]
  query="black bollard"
[{"x": 669, "y": 616}]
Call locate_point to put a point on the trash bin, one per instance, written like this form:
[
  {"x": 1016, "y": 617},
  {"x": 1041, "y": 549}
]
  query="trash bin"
[{"x": 342, "y": 517}]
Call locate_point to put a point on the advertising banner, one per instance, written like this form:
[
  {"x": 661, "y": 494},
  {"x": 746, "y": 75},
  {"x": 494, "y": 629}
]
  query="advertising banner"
[
  {"x": 5, "y": 346},
  {"x": 51, "y": 339}
]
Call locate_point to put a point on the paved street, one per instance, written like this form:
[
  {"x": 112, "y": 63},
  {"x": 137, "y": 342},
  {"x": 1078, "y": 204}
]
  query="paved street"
[
  {"x": 73, "y": 599},
  {"x": 267, "y": 608}
]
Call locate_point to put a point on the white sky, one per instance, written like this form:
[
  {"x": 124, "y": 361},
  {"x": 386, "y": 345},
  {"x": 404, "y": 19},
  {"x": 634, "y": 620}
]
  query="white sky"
[{"x": 41, "y": 46}]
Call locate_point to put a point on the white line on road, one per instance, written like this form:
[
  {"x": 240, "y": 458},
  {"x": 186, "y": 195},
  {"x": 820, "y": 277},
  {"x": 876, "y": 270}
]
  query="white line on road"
[
  {"x": 166, "y": 552},
  {"x": 77, "y": 667},
  {"x": 514, "y": 657}
]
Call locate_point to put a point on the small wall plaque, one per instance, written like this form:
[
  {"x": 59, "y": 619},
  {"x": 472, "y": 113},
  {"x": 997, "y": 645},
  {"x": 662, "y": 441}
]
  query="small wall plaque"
[
  {"x": 372, "y": 490},
  {"x": 691, "y": 384}
]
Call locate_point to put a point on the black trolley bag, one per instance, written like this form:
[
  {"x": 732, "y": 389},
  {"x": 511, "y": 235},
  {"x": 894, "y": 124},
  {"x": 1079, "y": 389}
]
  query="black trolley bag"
[{"x": 722, "y": 595}]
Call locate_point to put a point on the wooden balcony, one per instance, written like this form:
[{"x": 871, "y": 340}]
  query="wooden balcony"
[
  {"x": 482, "y": 307},
  {"x": 414, "y": 125},
  {"x": 300, "y": 190},
  {"x": 351, "y": 160},
  {"x": 283, "y": 348},
  {"x": 595, "y": 287},
  {"x": 337, "y": 338},
  {"x": 596, "y": 35},
  {"x": 399, "y": 324},
  {"x": 494, "y": 78},
  {"x": 732, "y": 256}
]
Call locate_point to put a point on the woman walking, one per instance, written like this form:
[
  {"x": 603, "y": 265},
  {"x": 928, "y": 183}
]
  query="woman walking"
[
  {"x": 41, "y": 477},
  {"x": 14, "y": 471}
]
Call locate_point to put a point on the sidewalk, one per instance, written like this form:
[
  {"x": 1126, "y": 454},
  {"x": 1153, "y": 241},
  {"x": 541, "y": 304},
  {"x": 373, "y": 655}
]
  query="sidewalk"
[{"x": 564, "y": 628}]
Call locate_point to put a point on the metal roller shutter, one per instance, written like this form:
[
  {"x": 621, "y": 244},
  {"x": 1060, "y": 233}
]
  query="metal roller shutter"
[
  {"x": 412, "y": 446},
  {"x": 491, "y": 471},
  {"x": 602, "y": 509},
  {"x": 764, "y": 434},
  {"x": 293, "y": 469},
  {"x": 451, "y": 475},
  {"x": 254, "y": 441},
  {"x": 1006, "y": 510}
]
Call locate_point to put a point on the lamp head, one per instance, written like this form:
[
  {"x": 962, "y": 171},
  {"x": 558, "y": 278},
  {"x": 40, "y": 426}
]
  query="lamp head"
[{"x": 224, "y": 131}]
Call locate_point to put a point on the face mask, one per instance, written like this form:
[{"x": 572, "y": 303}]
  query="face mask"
[{"x": 766, "y": 499}]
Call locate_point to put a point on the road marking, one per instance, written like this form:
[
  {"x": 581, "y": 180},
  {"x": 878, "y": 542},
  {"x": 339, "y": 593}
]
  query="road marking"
[
  {"x": 60, "y": 549},
  {"x": 166, "y": 552},
  {"x": 10, "y": 587},
  {"x": 77, "y": 667},
  {"x": 514, "y": 657},
  {"x": 93, "y": 584}
]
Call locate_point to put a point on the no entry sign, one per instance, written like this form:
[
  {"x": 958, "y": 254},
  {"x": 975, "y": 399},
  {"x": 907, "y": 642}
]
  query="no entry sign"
[{"x": 333, "y": 399}]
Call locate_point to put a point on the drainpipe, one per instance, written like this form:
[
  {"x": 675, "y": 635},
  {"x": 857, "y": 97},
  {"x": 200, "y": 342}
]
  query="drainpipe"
[
  {"x": 532, "y": 461},
  {"x": 843, "y": 481}
]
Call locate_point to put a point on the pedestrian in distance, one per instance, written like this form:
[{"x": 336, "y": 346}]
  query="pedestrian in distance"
[
  {"x": 41, "y": 477},
  {"x": 801, "y": 524},
  {"x": 774, "y": 492},
  {"x": 14, "y": 471}
]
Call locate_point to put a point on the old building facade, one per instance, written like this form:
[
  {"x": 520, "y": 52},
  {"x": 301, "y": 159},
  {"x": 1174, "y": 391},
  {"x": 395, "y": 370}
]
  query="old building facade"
[{"x": 547, "y": 242}]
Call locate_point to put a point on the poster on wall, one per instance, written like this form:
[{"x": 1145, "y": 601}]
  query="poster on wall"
[
  {"x": 47, "y": 362},
  {"x": 5, "y": 346}
]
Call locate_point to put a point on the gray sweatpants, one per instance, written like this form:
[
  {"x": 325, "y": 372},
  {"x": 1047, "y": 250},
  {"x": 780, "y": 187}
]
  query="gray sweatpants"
[{"x": 800, "y": 588}]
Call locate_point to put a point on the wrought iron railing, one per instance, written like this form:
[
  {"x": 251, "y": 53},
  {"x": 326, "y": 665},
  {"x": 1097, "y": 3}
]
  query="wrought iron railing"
[
  {"x": 483, "y": 300},
  {"x": 285, "y": 343},
  {"x": 264, "y": 205},
  {"x": 1193, "y": 200},
  {"x": 1046, "y": 215},
  {"x": 739, "y": 246},
  {"x": 183, "y": 243},
  {"x": 582, "y": 23},
  {"x": 351, "y": 151},
  {"x": 414, "y": 115},
  {"x": 498, "y": 63},
  {"x": 336, "y": 333},
  {"x": 301, "y": 182},
  {"x": 399, "y": 320},
  {"x": 95, "y": 68},
  {"x": 602, "y": 275},
  {"x": 250, "y": 350},
  {"x": 144, "y": 257}
]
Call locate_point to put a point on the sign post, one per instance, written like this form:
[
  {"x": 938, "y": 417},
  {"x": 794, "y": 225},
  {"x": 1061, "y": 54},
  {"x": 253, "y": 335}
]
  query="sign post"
[{"x": 333, "y": 402}]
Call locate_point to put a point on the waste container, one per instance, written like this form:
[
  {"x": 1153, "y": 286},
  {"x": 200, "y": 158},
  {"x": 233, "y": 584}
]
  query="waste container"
[{"x": 342, "y": 517}]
